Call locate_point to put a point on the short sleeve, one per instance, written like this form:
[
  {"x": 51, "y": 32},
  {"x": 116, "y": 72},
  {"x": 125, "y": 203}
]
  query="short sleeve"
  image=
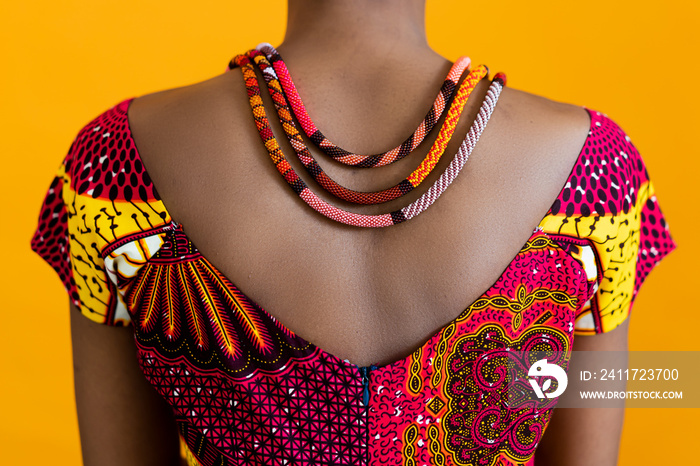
[
  {"x": 100, "y": 199},
  {"x": 66, "y": 240},
  {"x": 609, "y": 219}
]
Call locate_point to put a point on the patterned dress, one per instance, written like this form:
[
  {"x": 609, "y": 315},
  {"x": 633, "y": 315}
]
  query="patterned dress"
[{"x": 245, "y": 390}]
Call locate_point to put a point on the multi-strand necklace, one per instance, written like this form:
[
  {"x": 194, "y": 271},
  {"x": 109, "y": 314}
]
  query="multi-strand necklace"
[
  {"x": 288, "y": 104},
  {"x": 346, "y": 157}
]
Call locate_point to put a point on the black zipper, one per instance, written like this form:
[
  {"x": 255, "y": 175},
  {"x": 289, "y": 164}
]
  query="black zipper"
[{"x": 364, "y": 371}]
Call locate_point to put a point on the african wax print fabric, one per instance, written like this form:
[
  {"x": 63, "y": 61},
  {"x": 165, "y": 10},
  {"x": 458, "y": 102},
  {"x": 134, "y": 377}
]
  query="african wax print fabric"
[{"x": 244, "y": 389}]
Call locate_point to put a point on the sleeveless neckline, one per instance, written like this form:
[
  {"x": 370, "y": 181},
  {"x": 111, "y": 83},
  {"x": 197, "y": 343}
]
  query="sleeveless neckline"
[{"x": 173, "y": 224}]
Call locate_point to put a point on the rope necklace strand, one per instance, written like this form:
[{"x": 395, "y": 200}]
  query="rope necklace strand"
[
  {"x": 342, "y": 155},
  {"x": 407, "y": 185},
  {"x": 361, "y": 220}
]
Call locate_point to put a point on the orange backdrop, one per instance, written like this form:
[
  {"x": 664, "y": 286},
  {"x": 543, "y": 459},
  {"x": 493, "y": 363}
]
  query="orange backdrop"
[{"x": 66, "y": 62}]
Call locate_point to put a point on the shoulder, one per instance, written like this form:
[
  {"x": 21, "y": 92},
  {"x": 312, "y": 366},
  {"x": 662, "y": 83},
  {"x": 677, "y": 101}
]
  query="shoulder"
[
  {"x": 518, "y": 104},
  {"x": 606, "y": 215},
  {"x": 165, "y": 114},
  {"x": 606, "y": 171},
  {"x": 104, "y": 160},
  {"x": 542, "y": 138},
  {"x": 562, "y": 122},
  {"x": 106, "y": 190},
  {"x": 542, "y": 120}
]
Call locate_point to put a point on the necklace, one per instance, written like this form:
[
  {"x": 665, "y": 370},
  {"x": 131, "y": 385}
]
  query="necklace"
[
  {"x": 315, "y": 170},
  {"x": 342, "y": 155},
  {"x": 352, "y": 218}
]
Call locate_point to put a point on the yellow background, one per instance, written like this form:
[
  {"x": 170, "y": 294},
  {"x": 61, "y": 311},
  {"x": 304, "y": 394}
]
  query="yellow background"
[{"x": 65, "y": 62}]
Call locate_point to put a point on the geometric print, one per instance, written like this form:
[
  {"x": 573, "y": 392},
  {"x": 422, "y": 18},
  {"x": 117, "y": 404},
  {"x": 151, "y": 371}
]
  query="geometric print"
[
  {"x": 245, "y": 389},
  {"x": 309, "y": 413}
]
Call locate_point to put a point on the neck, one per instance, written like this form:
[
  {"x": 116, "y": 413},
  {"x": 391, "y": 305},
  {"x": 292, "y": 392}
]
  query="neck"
[{"x": 371, "y": 26}]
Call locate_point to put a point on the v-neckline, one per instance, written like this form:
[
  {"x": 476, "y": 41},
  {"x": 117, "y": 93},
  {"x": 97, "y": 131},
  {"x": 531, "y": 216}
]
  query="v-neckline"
[
  {"x": 376, "y": 367},
  {"x": 173, "y": 224}
]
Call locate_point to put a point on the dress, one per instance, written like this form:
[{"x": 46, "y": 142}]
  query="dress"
[{"x": 247, "y": 390}]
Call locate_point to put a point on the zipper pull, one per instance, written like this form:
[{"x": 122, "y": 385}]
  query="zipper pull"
[
  {"x": 365, "y": 384},
  {"x": 364, "y": 370}
]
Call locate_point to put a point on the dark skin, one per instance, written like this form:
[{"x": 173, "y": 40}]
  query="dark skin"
[
  {"x": 122, "y": 419},
  {"x": 578, "y": 436},
  {"x": 369, "y": 295}
]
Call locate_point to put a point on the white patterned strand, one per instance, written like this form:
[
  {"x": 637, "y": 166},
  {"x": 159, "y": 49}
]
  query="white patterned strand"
[{"x": 457, "y": 163}]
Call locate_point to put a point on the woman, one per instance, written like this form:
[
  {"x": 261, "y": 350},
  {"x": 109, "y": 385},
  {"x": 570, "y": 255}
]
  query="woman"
[{"x": 392, "y": 312}]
